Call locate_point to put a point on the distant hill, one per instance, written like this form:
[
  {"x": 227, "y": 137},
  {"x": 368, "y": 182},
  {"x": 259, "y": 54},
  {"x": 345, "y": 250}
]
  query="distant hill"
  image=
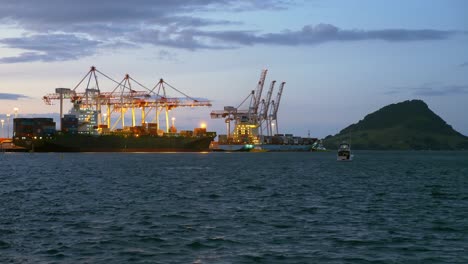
[{"x": 409, "y": 125}]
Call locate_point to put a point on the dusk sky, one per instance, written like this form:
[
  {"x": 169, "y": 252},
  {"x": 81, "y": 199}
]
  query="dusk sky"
[{"x": 340, "y": 59}]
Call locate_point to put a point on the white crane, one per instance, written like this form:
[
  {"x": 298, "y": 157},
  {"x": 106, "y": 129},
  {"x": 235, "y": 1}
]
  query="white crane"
[
  {"x": 275, "y": 107},
  {"x": 265, "y": 107},
  {"x": 257, "y": 97}
]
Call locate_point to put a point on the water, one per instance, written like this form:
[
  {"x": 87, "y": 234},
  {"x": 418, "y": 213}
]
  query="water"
[{"x": 384, "y": 207}]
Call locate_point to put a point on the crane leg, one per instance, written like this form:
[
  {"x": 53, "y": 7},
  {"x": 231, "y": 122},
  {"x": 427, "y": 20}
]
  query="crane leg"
[{"x": 167, "y": 120}]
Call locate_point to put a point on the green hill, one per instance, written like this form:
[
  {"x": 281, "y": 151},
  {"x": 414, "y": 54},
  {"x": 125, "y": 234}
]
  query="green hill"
[{"x": 409, "y": 125}]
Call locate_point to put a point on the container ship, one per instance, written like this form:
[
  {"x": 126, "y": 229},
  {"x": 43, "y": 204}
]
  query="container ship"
[
  {"x": 39, "y": 135},
  {"x": 255, "y": 128},
  {"x": 98, "y": 120},
  {"x": 278, "y": 142}
]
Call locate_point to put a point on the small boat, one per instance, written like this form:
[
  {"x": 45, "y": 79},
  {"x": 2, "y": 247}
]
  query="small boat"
[{"x": 344, "y": 152}]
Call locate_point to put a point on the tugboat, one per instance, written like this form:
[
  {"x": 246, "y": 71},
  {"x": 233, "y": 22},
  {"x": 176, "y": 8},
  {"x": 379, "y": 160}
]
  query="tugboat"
[{"x": 344, "y": 152}]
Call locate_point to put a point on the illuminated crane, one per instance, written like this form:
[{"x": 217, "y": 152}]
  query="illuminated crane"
[
  {"x": 246, "y": 122},
  {"x": 120, "y": 99}
]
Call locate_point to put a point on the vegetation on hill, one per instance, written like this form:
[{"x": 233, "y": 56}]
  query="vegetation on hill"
[{"x": 409, "y": 125}]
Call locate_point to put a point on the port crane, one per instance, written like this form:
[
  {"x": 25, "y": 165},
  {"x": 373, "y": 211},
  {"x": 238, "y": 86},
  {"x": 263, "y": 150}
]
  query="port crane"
[
  {"x": 275, "y": 106},
  {"x": 264, "y": 117},
  {"x": 122, "y": 98},
  {"x": 253, "y": 114},
  {"x": 247, "y": 122}
]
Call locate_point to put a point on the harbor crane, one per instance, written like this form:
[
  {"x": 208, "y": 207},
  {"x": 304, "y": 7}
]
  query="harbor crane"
[
  {"x": 121, "y": 98},
  {"x": 275, "y": 106},
  {"x": 244, "y": 120},
  {"x": 264, "y": 117},
  {"x": 256, "y": 99},
  {"x": 260, "y": 115}
]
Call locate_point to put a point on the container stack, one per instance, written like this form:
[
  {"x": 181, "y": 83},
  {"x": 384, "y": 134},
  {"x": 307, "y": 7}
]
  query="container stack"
[{"x": 33, "y": 127}]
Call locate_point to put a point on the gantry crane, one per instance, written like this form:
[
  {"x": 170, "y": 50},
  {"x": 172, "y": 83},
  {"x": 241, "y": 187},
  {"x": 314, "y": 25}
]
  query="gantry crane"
[
  {"x": 275, "y": 106},
  {"x": 122, "y": 98},
  {"x": 253, "y": 115},
  {"x": 264, "y": 117},
  {"x": 248, "y": 122}
]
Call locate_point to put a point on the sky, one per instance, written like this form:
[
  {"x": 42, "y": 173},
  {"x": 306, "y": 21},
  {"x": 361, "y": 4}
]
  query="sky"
[{"x": 340, "y": 60}]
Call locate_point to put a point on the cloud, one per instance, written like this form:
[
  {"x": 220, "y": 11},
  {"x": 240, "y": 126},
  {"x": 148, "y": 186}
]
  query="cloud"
[
  {"x": 49, "y": 47},
  {"x": 12, "y": 96},
  {"x": 465, "y": 64},
  {"x": 442, "y": 90},
  {"x": 67, "y": 30},
  {"x": 58, "y": 14},
  {"x": 317, "y": 34},
  {"x": 167, "y": 55},
  {"x": 432, "y": 89}
]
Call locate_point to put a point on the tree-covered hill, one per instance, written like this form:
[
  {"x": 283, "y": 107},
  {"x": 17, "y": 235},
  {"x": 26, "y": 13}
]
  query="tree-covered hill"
[{"x": 409, "y": 125}]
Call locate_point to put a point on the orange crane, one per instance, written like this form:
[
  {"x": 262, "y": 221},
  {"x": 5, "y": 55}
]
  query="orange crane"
[{"x": 122, "y": 97}]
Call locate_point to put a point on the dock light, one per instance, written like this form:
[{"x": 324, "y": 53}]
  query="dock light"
[
  {"x": 16, "y": 111},
  {"x": 3, "y": 122},
  {"x": 173, "y": 121},
  {"x": 203, "y": 125}
]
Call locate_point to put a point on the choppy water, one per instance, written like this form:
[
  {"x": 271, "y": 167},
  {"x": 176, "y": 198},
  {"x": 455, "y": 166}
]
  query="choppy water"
[{"x": 384, "y": 207}]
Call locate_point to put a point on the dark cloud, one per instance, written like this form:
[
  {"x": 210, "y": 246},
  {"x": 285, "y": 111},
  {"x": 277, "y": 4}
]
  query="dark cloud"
[
  {"x": 53, "y": 47},
  {"x": 326, "y": 32},
  {"x": 442, "y": 90},
  {"x": 59, "y": 30},
  {"x": 193, "y": 39},
  {"x": 11, "y": 96},
  {"x": 431, "y": 89},
  {"x": 59, "y": 14},
  {"x": 64, "y": 30}
]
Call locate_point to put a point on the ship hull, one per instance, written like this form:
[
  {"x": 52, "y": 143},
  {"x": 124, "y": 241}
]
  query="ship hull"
[
  {"x": 263, "y": 147},
  {"x": 233, "y": 148},
  {"x": 114, "y": 143},
  {"x": 287, "y": 148}
]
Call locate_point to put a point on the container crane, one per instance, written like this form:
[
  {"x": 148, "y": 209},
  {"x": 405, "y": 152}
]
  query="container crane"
[
  {"x": 275, "y": 107},
  {"x": 248, "y": 122},
  {"x": 264, "y": 118},
  {"x": 253, "y": 115},
  {"x": 121, "y": 98},
  {"x": 235, "y": 114}
]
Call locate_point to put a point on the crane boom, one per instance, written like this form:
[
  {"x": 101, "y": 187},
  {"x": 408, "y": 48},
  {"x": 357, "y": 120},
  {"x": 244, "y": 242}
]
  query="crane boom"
[
  {"x": 258, "y": 93},
  {"x": 268, "y": 100},
  {"x": 126, "y": 96},
  {"x": 277, "y": 101}
]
